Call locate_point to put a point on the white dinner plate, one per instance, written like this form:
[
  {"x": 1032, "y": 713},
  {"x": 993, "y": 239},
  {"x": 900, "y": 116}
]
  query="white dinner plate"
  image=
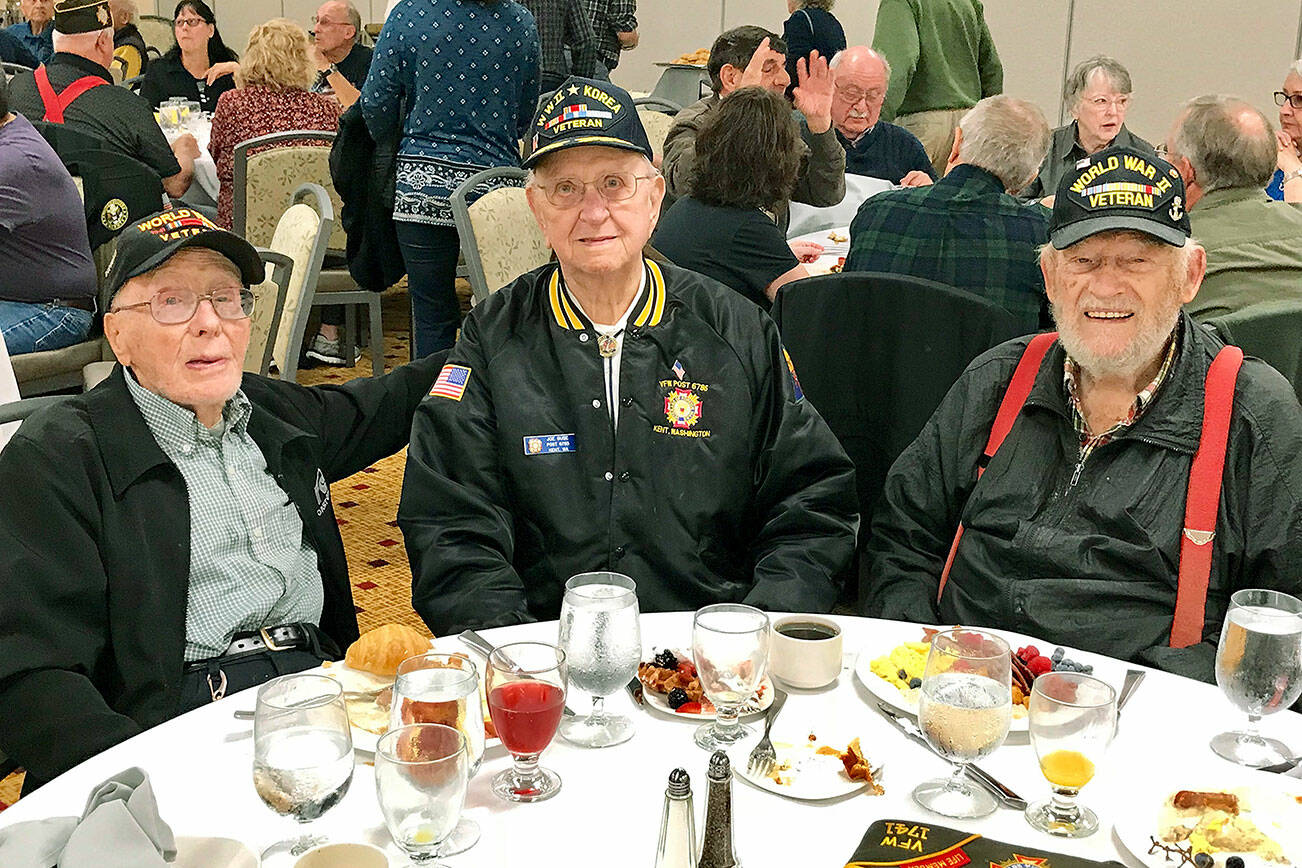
[
  {"x": 889, "y": 634},
  {"x": 202, "y": 852},
  {"x": 660, "y": 702},
  {"x": 801, "y": 772},
  {"x": 1273, "y": 807}
]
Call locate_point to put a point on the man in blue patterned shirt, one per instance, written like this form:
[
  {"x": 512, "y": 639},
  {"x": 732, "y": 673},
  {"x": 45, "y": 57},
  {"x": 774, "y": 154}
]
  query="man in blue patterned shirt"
[{"x": 967, "y": 231}]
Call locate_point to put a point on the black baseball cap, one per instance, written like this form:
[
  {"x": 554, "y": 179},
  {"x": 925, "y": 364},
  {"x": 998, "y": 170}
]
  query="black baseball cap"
[
  {"x": 584, "y": 111},
  {"x": 148, "y": 243},
  {"x": 81, "y": 16},
  {"x": 1119, "y": 188}
]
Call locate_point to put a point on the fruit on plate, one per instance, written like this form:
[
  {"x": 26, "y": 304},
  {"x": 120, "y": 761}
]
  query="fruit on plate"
[{"x": 675, "y": 677}]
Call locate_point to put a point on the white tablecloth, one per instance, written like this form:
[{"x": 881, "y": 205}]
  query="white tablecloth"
[
  {"x": 8, "y": 391},
  {"x": 836, "y": 246},
  {"x": 205, "y": 168},
  {"x": 608, "y": 811}
]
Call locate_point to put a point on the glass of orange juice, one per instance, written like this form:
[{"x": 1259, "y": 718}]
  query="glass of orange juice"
[{"x": 1072, "y": 720}]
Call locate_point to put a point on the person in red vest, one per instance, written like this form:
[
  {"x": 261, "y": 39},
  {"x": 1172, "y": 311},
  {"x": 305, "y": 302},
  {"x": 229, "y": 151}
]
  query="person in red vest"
[
  {"x": 1085, "y": 520},
  {"x": 75, "y": 88}
]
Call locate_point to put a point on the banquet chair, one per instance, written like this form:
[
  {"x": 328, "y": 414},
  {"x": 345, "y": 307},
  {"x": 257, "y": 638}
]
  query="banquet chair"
[
  {"x": 875, "y": 354},
  {"x": 657, "y": 104},
  {"x": 500, "y": 240},
  {"x": 1271, "y": 331},
  {"x": 157, "y": 32},
  {"x": 657, "y": 125},
  {"x": 18, "y": 411},
  {"x": 302, "y": 235},
  {"x": 266, "y": 171},
  {"x": 12, "y": 69}
]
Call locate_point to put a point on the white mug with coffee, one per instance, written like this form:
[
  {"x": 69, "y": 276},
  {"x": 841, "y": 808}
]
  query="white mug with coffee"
[{"x": 805, "y": 650}]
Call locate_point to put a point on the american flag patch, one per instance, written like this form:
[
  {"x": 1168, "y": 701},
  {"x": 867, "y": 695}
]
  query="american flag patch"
[{"x": 451, "y": 382}]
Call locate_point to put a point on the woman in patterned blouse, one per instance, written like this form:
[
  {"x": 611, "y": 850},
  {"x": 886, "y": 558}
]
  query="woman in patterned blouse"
[
  {"x": 466, "y": 72},
  {"x": 272, "y": 96}
]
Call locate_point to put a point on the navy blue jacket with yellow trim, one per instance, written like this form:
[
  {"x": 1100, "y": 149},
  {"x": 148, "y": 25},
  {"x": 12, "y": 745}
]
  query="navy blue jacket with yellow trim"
[{"x": 721, "y": 483}]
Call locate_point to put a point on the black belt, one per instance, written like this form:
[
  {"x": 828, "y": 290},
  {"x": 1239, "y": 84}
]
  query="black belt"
[
  {"x": 86, "y": 304},
  {"x": 286, "y": 637}
]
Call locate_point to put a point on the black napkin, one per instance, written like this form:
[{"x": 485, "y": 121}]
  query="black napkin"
[{"x": 911, "y": 844}]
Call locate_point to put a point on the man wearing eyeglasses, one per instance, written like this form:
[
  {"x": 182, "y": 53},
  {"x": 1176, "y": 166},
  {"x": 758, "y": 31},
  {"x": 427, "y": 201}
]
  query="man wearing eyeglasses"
[
  {"x": 168, "y": 537},
  {"x": 342, "y": 62},
  {"x": 873, "y": 147},
  {"x": 611, "y": 413},
  {"x": 1098, "y": 91}
]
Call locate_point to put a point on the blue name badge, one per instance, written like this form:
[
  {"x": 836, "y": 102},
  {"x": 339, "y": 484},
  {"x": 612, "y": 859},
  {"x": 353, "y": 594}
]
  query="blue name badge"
[{"x": 548, "y": 444}]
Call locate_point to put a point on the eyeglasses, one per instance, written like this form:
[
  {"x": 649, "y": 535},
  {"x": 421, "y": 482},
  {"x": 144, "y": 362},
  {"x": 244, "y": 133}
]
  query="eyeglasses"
[
  {"x": 614, "y": 187},
  {"x": 173, "y": 306},
  {"x": 1120, "y": 103},
  {"x": 851, "y": 95},
  {"x": 1293, "y": 99},
  {"x": 325, "y": 22},
  {"x": 189, "y": 22}
]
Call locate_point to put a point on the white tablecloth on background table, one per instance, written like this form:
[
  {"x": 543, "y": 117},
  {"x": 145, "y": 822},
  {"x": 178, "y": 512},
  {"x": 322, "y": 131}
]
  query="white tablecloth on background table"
[
  {"x": 833, "y": 250},
  {"x": 8, "y": 391},
  {"x": 608, "y": 811},
  {"x": 205, "y": 168}
]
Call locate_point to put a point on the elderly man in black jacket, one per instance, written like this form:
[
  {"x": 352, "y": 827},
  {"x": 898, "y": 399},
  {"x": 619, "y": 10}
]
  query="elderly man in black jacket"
[
  {"x": 168, "y": 537},
  {"x": 611, "y": 413},
  {"x": 1077, "y": 531}
]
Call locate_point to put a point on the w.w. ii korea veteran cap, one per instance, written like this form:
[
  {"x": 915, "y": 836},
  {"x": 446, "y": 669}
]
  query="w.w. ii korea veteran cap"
[{"x": 586, "y": 112}]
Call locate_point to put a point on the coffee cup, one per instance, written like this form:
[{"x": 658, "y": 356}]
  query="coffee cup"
[
  {"x": 805, "y": 650},
  {"x": 343, "y": 856}
]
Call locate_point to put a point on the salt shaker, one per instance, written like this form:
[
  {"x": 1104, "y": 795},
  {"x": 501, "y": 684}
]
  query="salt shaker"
[{"x": 677, "y": 847}]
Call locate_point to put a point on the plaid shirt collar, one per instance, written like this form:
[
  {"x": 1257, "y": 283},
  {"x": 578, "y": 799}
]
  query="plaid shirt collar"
[
  {"x": 174, "y": 426},
  {"x": 1071, "y": 381}
]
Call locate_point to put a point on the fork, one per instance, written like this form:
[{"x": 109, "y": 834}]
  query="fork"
[{"x": 763, "y": 756}]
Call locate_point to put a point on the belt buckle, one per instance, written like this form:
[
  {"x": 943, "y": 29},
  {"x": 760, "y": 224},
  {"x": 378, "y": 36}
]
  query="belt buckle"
[{"x": 270, "y": 643}]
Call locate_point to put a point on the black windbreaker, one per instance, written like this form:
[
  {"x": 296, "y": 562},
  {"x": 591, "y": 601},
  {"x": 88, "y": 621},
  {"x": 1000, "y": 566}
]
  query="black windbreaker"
[{"x": 721, "y": 483}]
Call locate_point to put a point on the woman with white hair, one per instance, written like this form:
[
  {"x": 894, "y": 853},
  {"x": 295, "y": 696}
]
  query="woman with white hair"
[
  {"x": 1098, "y": 91},
  {"x": 1287, "y": 181},
  {"x": 129, "y": 54}
]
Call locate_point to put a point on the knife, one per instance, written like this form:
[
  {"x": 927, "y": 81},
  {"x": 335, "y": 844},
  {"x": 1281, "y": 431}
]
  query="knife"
[
  {"x": 1129, "y": 686},
  {"x": 634, "y": 688},
  {"x": 483, "y": 646},
  {"x": 975, "y": 772}
]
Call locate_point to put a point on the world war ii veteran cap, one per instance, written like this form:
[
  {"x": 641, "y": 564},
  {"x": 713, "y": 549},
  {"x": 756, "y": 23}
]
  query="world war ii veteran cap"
[
  {"x": 81, "y": 16},
  {"x": 1119, "y": 188},
  {"x": 148, "y": 243},
  {"x": 586, "y": 112}
]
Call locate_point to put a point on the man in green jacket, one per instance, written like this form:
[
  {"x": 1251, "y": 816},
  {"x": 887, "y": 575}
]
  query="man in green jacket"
[
  {"x": 942, "y": 62},
  {"x": 1225, "y": 151}
]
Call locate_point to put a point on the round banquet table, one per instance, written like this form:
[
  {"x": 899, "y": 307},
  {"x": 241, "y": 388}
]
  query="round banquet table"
[
  {"x": 609, "y": 807},
  {"x": 834, "y": 249},
  {"x": 205, "y": 187}
]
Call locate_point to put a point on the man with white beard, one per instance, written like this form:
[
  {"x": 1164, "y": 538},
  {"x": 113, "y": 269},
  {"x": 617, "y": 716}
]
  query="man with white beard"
[{"x": 1092, "y": 526}]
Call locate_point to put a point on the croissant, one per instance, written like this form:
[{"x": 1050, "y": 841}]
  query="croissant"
[{"x": 379, "y": 651}]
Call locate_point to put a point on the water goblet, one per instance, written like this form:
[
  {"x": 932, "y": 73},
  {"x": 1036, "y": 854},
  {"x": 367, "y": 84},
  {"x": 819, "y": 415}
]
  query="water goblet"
[
  {"x": 1072, "y": 720},
  {"x": 603, "y": 643},
  {"x": 1259, "y": 669},
  {"x": 730, "y": 647},
  {"x": 443, "y": 688},
  {"x": 526, "y": 695},
  {"x": 964, "y": 710},
  {"x": 302, "y": 753},
  {"x": 421, "y": 772}
]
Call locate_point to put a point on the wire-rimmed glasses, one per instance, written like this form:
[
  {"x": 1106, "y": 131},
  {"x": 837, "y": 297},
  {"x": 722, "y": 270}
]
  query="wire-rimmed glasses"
[
  {"x": 173, "y": 306},
  {"x": 613, "y": 187}
]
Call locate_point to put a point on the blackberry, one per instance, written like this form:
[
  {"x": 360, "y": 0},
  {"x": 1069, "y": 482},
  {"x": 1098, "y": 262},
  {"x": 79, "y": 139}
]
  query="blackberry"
[
  {"x": 666, "y": 660},
  {"x": 677, "y": 697}
]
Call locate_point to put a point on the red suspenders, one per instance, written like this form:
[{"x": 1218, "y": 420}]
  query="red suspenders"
[
  {"x": 1202, "y": 501},
  {"x": 56, "y": 103}
]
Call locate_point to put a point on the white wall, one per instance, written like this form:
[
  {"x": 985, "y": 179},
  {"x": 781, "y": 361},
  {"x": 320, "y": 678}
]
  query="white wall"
[{"x": 1175, "y": 49}]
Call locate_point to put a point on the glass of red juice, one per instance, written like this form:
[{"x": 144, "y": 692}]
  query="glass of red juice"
[{"x": 526, "y": 695}]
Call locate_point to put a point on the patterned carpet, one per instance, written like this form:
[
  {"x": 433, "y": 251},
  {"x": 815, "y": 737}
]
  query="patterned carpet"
[{"x": 366, "y": 504}]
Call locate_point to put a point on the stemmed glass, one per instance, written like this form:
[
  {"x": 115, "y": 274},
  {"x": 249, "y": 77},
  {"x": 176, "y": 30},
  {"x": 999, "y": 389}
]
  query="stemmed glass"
[
  {"x": 1072, "y": 720},
  {"x": 730, "y": 647},
  {"x": 964, "y": 710},
  {"x": 526, "y": 695},
  {"x": 602, "y": 643},
  {"x": 443, "y": 688},
  {"x": 1259, "y": 669},
  {"x": 302, "y": 752},
  {"x": 421, "y": 771}
]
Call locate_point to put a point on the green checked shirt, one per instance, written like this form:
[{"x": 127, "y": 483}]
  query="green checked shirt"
[
  {"x": 963, "y": 231},
  {"x": 249, "y": 564}
]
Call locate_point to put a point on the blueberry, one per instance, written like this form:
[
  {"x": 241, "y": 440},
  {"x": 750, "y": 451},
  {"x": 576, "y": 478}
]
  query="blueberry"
[
  {"x": 902, "y": 675},
  {"x": 1057, "y": 655},
  {"x": 915, "y": 682},
  {"x": 1234, "y": 862},
  {"x": 1087, "y": 669},
  {"x": 1203, "y": 860},
  {"x": 677, "y": 697}
]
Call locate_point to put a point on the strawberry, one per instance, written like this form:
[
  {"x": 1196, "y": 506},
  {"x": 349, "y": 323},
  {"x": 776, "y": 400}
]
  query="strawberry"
[
  {"x": 686, "y": 669},
  {"x": 1040, "y": 665},
  {"x": 689, "y": 708}
]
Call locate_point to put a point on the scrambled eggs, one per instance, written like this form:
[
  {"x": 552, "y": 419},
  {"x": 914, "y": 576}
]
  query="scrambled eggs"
[{"x": 911, "y": 657}]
